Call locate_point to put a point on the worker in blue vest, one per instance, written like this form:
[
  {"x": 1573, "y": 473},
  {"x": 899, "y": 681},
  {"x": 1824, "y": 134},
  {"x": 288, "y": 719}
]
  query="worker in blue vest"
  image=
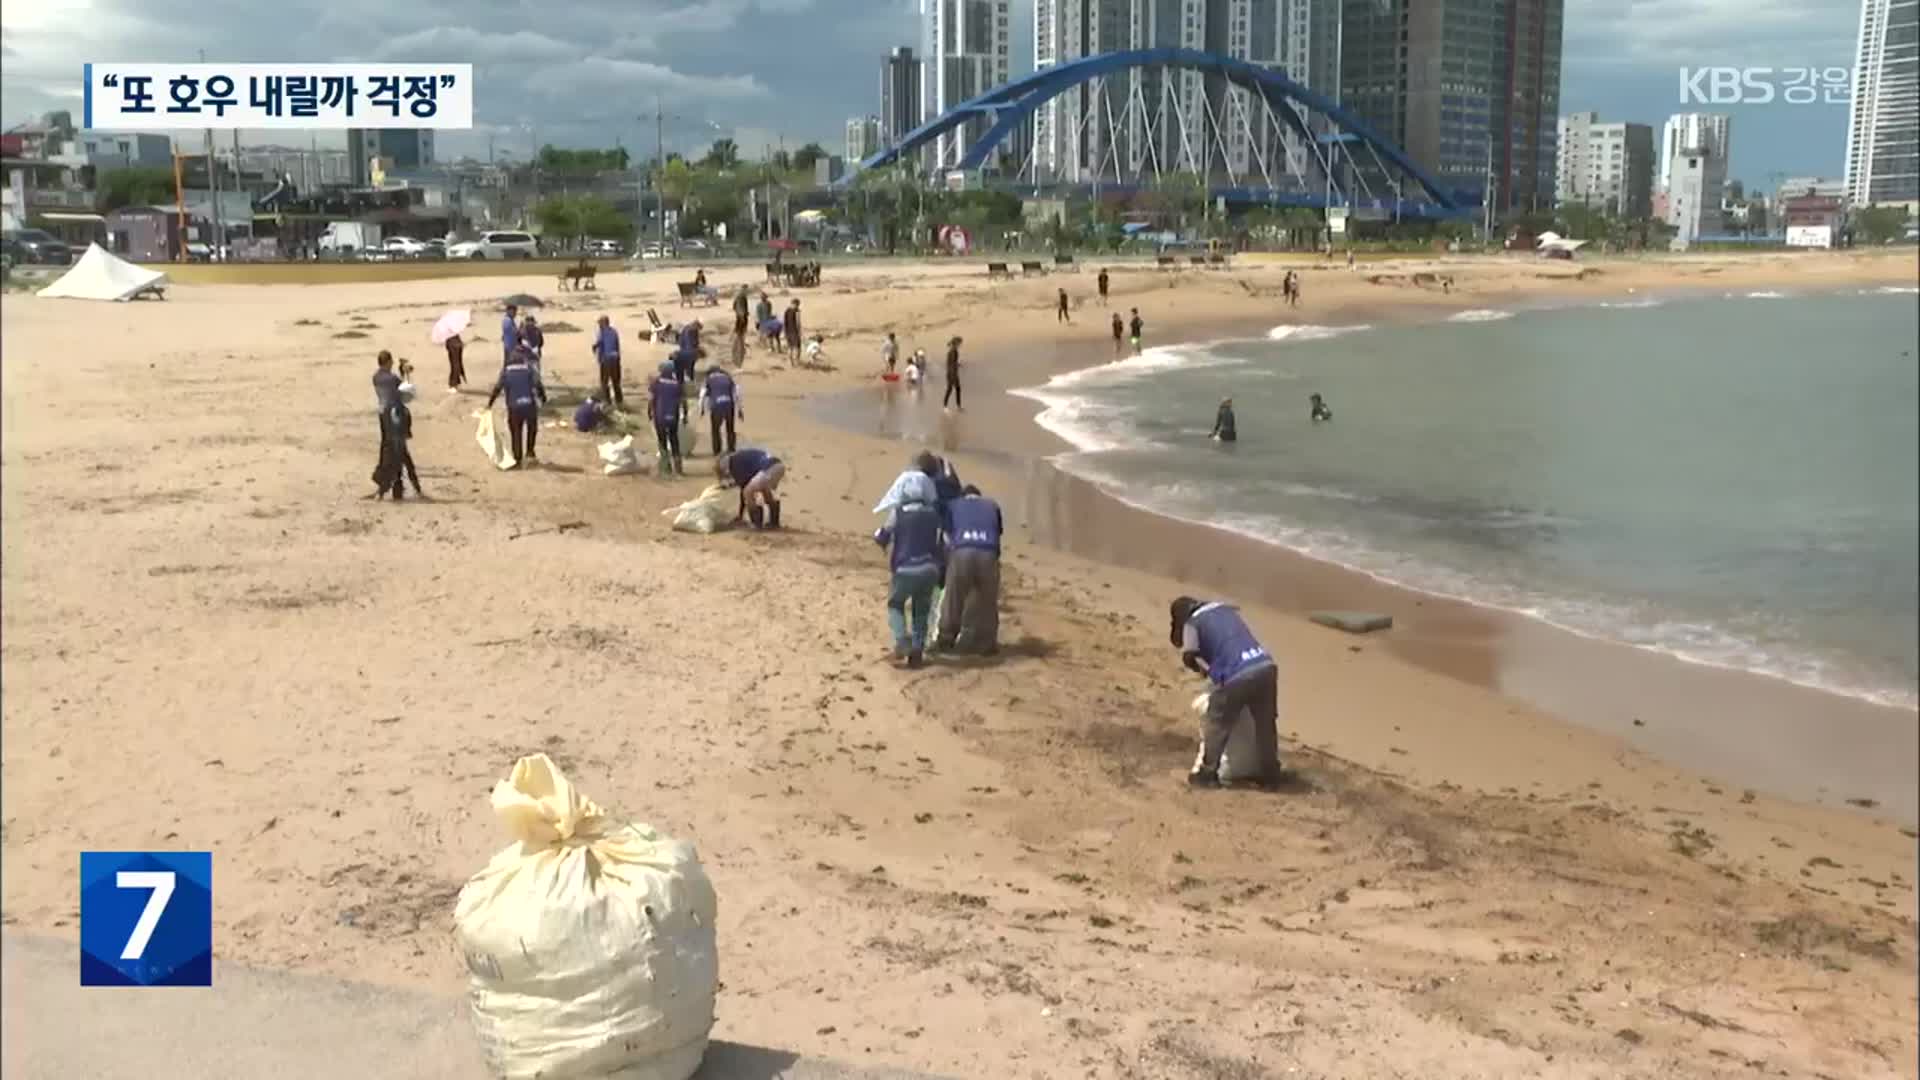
[
  {"x": 606, "y": 350},
  {"x": 520, "y": 383},
  {"x": 970, "y": 611},
  {"x": 665, "y": 398},
  {"x": 917, "y": 558},
  {"x": 1214, "y": 641},
  {"x": 757, "y": 474},
  {"x": 509, "y": 335},
  {"x": 720, "y": 401}
]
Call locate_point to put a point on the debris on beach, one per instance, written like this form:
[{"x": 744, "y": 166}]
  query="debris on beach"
[
  {"x": 1353, "y": 622},
  {"x": 352, "y": 334}
]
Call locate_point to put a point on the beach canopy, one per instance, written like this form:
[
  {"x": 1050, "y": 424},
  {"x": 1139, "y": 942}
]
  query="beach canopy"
[{"x": 101, "y": 275}]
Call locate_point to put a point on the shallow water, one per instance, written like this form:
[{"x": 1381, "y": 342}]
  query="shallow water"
[{"x": 1730, "y": 480}]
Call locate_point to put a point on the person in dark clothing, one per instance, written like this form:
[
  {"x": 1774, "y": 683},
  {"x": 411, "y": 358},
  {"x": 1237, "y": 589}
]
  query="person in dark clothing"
[
  {"x": 917, "y": 559},
  {"x": 970, "y": 608},
  {"x": 396, "y": 461},
  {"x": 946, "y": 480},
  {"x": 606, "y": 350},
  {"x": 456, "y": 363},
  {"x": 520, "y": 383},
  {"x": 1103, "y": 284},
  {"x": 1119, "y": 334},
  {"x": 386, "y": 387},
  {"x": 509, "y": 335},
  {"x": 533, "y": 338},
  {"x": 757, "y": 474},
  {"x": 665, "y": 405},
  {"x": 791, "y": 324},
  {"x": 1223, "y": 427},
  {"x": 1319, "y": 409},
  {"x": 953, "y": 377},
  {"x": 1138, "y": 326},
  {"x": 720, "y": 400},
  {"x": 1062, "y": 312},
  {"x": 1214, "y": 641},
  {"x": 590, "y": 414},
  {"x": 690, "y": 351},
  {"x": 740, "y": 313}
]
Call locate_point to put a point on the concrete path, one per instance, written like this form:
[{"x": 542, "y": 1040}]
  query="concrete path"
[{"x": 255, "y": 1024}]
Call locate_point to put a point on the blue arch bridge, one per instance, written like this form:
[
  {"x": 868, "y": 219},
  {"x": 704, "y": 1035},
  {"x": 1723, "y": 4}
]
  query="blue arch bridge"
[{"x": 1126, "y": 120}]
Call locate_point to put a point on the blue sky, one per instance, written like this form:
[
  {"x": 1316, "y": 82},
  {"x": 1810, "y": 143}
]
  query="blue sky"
[{"x": 588, "y": 72}]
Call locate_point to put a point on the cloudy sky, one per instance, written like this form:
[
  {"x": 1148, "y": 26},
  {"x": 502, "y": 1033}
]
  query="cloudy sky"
[{"x": 589, "y": 72}]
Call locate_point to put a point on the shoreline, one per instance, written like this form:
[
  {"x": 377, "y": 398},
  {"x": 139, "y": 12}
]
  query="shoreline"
[{"x": 1815, "y": 744}]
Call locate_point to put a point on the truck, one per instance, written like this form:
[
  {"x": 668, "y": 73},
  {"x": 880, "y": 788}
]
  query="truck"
[{"x": 348, "y": 237}]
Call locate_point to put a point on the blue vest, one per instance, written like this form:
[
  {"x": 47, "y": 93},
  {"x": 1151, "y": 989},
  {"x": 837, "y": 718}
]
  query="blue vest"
[
  {"x": 509, "y": 334},
  {"x": 516, "y": 385},
  {"x": 975, "y": 524},
  {"x": 720, "y": 393},
  {"x": 1226, "y": 644},
  {"x": 586, "y": 417},
  {"x": 666, "y": 400},
  {"x": 608, "y": 347},
  {"x": 916, "y": 540},
  {"x": 744, "y": 465}
]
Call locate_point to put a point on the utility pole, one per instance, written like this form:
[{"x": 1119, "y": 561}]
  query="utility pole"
[
  {"x": 660, "y": 165},
  {"x": 213, "y": 190},
  {"x": 1486, "y": 198}
]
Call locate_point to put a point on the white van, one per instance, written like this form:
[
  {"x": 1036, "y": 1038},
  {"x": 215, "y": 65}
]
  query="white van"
[{"x": 496, "y": 245}]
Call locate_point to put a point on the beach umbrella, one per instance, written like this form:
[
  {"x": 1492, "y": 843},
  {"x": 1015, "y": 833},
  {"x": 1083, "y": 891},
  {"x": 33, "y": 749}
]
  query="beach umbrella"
[
  {"x": 522, "y": 300},
  {"x": 453, "y": 322}
]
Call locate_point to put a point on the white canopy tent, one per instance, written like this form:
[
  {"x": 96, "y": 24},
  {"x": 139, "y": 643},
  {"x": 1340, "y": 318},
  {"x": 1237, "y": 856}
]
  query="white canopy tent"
[{"x": 101, "y": 275}]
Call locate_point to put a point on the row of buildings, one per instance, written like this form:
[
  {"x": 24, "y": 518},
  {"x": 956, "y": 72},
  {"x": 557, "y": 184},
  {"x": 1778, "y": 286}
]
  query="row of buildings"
[{"x": 1469, "y": 89}]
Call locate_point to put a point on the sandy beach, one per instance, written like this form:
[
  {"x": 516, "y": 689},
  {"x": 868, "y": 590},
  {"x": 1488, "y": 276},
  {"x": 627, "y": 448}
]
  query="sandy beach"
[{"x": 1484, "y": 867}]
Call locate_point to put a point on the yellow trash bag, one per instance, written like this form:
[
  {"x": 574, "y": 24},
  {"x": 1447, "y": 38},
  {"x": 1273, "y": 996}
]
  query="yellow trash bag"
[
  {"x": 589, "y": 941},
  {"x": 497, "y": 449},
  {"x": 712, "y": 510}
]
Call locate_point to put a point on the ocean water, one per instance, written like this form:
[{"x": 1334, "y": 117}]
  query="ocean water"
[{"x": 1730, "y": 480}]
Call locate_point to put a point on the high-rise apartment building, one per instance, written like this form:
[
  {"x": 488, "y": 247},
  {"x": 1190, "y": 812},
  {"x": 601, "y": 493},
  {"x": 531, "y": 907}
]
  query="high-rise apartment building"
[
  {"x": 1167, "y": 129},
  {"x": 1073, "y": 134},
  {"x": 1709, "y": 133},
  {"x": 863, "y": 139},
  {"x": 1883, "y": 130},
  {"x": 1274, "y": 34},
  {"x": 1459, "y": 84},
  {"x": 1694, "y": 149},
  {"x": 900, "y": 95},
  {"x": 1606, "y": 166},
  {"x": 397, "y": 149},
  {"x": 967, "y": 43}
]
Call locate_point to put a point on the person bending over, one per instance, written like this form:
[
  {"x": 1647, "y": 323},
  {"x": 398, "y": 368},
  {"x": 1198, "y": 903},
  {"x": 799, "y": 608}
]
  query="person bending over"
[
  {"x": 1214, "y": 641},
  {"x": 1223, "y": 426},
  {"x": 757, "y": 474}
]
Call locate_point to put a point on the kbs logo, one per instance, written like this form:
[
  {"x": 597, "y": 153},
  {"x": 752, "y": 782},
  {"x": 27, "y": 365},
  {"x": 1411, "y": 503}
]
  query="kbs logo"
[
  {"x": 1764, "y": 85},
  {"x": 146, "y": 918}
]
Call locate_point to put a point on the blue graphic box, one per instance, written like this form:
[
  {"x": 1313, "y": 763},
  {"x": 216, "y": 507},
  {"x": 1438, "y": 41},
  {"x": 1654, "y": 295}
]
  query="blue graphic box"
[{"x": 146, "y": 918}]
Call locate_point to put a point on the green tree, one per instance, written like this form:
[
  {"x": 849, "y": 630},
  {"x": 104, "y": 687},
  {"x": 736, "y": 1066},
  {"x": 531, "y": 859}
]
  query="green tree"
[
  {"x": 724, "y": 154},
  {"x": 1879, "y": 224},
  {"x": 134, "y": 187},
  {"x": 575, "y": 217},
  {"x": 804, "y": 157}
]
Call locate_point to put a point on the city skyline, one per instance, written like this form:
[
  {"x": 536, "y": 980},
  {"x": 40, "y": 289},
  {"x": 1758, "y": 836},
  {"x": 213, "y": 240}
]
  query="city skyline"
[{"x": 551, "y": 84}]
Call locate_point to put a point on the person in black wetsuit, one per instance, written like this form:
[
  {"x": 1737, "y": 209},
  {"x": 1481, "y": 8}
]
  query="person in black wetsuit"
[
  {"x": 1223, "y": 428},
  {"x": 1320, "y": 410}
]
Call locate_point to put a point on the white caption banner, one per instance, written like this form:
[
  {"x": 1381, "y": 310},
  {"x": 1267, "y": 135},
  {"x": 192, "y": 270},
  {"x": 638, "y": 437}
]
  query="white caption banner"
[{"x": 200, "y": 96}]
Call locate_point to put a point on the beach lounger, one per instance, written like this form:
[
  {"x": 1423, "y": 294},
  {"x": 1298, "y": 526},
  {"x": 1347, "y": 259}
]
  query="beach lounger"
[
  {"x": 995, "y": 270},
  {"x": 1031, "y": 267}
]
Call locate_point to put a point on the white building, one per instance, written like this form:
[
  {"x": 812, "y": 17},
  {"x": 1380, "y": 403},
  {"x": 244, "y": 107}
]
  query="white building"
[
  {"x": 1694, "y": 148},
  {"x": 1605, "y": 166},
  {"x": 966, "y": 49},
  {"x": 1073, "y": 133},
  {"x": 1883, "y": 130},
  {"x": 863, "y": 138}
]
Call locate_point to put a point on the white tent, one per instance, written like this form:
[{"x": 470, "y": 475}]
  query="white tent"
[
  {"x": 100, "y": 275},
  {"x": 1552, "y": 241}
]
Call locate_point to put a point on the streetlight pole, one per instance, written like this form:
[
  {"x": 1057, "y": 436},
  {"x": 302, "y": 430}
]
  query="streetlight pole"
[{"x": 660, "y": 164}]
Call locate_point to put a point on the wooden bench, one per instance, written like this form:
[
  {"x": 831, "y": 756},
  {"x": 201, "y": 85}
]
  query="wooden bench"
[
  {"x": 1061, "y": 259},
  {"x": 1166, "y": 261},
  {"x": 156, "y": 290},
  {"x": 691, "y": 294},
  {"x": 995, "y": 270},
  {"x": 1197, "y": 260},
  {"x": 1217, "y": 259},
  {"x": 578, "y": 277},
  {"x": 1031, "y": 267}
]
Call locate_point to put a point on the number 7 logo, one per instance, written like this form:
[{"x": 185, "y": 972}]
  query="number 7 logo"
[
  {"x": 146, "y": 918},
  {"x": 161, "y": 882}
]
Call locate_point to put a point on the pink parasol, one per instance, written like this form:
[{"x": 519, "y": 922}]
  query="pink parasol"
[{"x": 453, "y": 322}]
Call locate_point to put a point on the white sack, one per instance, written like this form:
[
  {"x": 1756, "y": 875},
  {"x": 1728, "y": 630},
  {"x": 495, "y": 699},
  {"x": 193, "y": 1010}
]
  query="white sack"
[
  {"x": 1241, "y": 758},
  {"x": 498, "y": 450},
  {"x": 590, "y": 941},
  {"x": 620, "y": 457},
  {"x": 713, "y": 509}
]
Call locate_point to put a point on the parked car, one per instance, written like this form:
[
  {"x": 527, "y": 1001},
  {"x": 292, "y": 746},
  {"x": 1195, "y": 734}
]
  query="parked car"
[
  {"x": 405, "y": 247},
  {"x": 612, "y": 249},
  {"x": 38, "y": 246},
  {"x": 654, "y": 251},
  {"x": 695, "y": 245},
  {"x": 496, "y": 245}
]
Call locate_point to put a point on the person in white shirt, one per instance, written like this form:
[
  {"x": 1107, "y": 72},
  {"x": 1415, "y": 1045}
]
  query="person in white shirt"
[{"x": 816, "y": 351}]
